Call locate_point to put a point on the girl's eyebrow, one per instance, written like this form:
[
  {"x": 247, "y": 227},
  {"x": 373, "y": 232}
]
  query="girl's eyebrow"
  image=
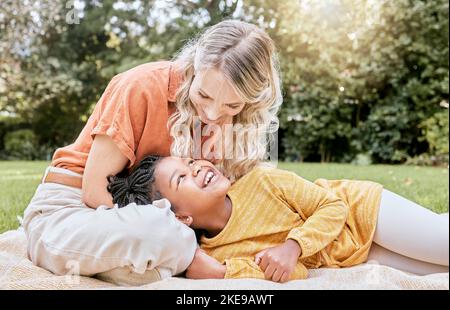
[
  {"x": 211, "y": 97},
  {"x": 185, "y": 161},
  {"x": 171, "y": 178}
]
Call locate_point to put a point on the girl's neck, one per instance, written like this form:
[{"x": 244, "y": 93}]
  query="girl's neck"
[{"x": 219, "y": 219}]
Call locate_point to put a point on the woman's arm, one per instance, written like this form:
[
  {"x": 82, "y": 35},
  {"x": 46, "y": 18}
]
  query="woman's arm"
[
  {"x": 204, "y": 266},
  {"x": 104, "y": 159}
]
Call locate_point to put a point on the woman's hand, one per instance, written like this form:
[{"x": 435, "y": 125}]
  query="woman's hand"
[
  {"x": 279, "y": 262},
  {"x": 204, "y": 266}
]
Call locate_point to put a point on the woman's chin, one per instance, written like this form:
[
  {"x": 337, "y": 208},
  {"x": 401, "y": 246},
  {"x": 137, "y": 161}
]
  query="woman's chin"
[{"x": 208, "y": 122}]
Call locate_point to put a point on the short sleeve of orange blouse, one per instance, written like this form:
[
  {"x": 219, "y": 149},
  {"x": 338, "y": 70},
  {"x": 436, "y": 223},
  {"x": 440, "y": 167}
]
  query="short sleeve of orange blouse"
[
  {"x": 133, "y": 105},
  {"x": 122, "y": 115}
]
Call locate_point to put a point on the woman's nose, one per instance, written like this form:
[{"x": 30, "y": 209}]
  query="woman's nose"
[{"x": 212, "y": 113}]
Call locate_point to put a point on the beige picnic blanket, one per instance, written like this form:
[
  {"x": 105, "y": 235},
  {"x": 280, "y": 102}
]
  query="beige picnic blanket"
[{"x": 17, "y": 272}]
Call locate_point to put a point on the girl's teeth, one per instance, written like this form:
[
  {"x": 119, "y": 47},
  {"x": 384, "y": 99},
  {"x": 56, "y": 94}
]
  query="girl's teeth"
[{"x": 208, "y": 178}]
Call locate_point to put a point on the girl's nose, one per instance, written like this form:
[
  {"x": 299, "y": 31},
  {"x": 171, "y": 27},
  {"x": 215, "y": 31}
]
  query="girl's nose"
[{"x": 195, "y": 169}]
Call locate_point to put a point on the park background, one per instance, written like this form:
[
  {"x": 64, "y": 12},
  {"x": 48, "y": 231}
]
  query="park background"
[{"x": 365, "y": 82}]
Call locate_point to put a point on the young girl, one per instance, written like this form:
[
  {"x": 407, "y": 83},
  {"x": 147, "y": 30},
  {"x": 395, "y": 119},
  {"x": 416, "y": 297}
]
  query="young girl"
[{"x": 274, "y": 224}]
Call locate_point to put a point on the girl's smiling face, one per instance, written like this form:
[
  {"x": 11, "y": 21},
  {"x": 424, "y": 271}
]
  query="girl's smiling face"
[{"x": 194, "y": 187}]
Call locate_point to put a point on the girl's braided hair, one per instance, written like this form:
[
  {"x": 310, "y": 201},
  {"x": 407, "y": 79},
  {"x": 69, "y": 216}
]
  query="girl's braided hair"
[{"x": 137, "y": 185}]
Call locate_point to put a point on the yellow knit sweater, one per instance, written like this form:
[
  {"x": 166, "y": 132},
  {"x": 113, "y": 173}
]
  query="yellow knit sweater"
[{"x": 332, "y": 220}]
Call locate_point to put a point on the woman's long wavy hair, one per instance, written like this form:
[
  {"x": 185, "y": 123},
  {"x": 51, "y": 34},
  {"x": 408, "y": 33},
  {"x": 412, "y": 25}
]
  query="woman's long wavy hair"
[{"x": 247, "y": 56}]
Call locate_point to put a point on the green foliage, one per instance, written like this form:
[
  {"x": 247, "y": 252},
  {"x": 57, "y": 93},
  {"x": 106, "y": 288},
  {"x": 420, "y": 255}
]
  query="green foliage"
[
  {"x": 21, "y": 144},
  {"x": 435, "y": 131},
  {"x": 8, "y": 124},
  {"x": 359, "y": 76},
  {"x": 362, "y": 160},
  {"x": 385, "y": 134}
]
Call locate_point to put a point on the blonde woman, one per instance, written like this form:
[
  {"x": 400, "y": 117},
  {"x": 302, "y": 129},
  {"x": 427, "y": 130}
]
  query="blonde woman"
[{"x": 228, "y": 75}]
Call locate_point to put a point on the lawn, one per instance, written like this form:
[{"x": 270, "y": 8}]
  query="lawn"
[{"x": 427, "y": 186}]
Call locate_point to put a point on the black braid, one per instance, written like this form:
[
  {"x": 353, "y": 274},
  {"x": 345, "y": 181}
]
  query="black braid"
[{"x": 137, "y": 185}]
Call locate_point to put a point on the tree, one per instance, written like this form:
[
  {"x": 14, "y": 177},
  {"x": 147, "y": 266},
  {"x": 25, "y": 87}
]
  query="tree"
[{"x": 359, "y": 76}]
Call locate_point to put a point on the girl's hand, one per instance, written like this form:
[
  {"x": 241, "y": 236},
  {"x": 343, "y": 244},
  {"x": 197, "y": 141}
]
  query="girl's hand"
[
  {"x": 279, "y": 262},
  {"x": 204, "y": 266}
]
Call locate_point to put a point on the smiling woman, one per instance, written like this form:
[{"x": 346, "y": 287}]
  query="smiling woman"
[{"x": 230, "y": 77}]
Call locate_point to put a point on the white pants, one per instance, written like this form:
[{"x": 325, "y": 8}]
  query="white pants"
[
  {"x": 132, "y": 245},
  {"x": 410, "y": 237}
]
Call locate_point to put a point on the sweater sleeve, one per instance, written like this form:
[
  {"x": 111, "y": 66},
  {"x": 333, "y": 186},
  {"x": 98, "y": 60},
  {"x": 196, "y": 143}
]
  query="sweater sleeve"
[
  {"x": 323, "y": 212},
  {"x": 245, "y": 267}
]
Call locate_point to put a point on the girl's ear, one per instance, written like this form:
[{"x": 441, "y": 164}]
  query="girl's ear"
[{"x": 185, "y": 219}]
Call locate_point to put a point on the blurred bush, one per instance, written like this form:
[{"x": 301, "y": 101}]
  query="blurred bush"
[
  {"x": 435, "y": 133},
  {"x": 21, "y": 144}
]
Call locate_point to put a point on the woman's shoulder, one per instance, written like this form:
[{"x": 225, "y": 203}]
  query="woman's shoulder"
[
  {"x": 146, "y": 69},
  {"x": 154, "y": 73}
]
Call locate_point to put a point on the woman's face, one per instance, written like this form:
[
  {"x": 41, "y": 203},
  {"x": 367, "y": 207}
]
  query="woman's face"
[
  {"x": 214, "y": 99},
  {"x": 193, "y": 187}
]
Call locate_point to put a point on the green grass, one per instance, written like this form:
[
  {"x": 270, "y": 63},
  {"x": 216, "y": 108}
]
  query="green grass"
[
  {"x": 427, "y": 186},
  {"x": 18, "y": 181}
]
